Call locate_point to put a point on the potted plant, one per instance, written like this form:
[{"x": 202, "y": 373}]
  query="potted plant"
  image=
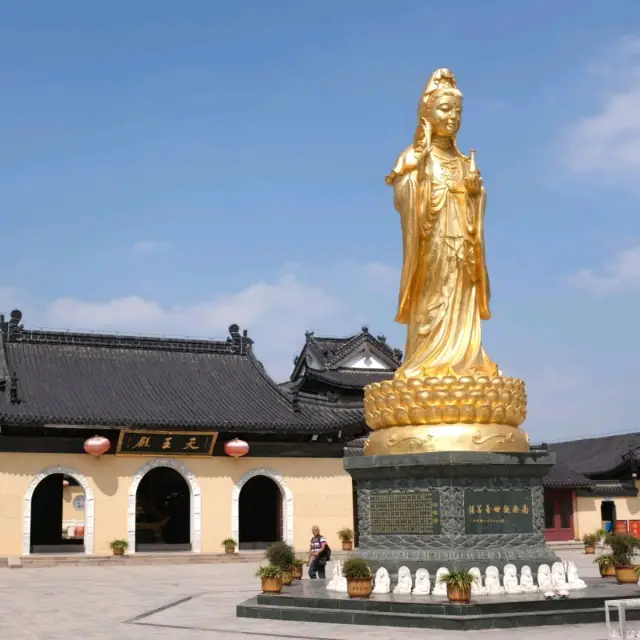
[
  {"x": 119, "y": 547},
  {"x": 590, "y": 540},
  {"x": 271, "y": 577},
  {"x": 606, "y": 565},
  {"x": 298, "y": 565},
  {"x": 623, "y": 546},
  {"x": 359, "y": 578},
  {"x": 281, "y": 555},
  {"x": 346, "y": 536},
  {"x": 229, "y": 545},
  {"x": 458, "y": 585}
]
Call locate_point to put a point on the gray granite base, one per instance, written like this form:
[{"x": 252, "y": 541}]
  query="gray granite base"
[
  {"x": 456, "y": 510},
  {"x": 309, "y": 601}
]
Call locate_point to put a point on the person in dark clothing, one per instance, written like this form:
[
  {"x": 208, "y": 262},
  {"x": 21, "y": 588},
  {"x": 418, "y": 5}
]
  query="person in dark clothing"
[{"x": 317, "y": 555}]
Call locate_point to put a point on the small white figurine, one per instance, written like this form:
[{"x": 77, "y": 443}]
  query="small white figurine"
[
  {"x": 440, "y": 588},
  {"x": 476, "y": 588},
  {"x": 511, "y": 584},
  {"x": 404, "y": 582},
  {"x": 423, "y": 583},
  {"x": 333, "y": 583},
  {"x": 492, "y": 581},
  {"x": 526, "y": 580},
  {"x": 544, "y": 579},
  {"x": 382, "y": 582},
  {"x": 558, "y": 576},
  {"x": 573, "y": 579}
]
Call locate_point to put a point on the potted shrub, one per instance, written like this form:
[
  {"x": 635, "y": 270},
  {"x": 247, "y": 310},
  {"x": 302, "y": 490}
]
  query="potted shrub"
[
  {"x": 606, "y": 565},
  {"x": 359, "y": 578},
  {"x": 119, "y": 547},
  {"x": 623, "y": 546},
  {"x": 281, "y": 555},
  {"x": 298, "y": 565},
  {"x": 229, "y": 545},
  {"x": 346, "y": 536},
  {"x": 271, "y": 577},
  {"x": 590, "y": 540},
  {"x": 458, "y": 585}
]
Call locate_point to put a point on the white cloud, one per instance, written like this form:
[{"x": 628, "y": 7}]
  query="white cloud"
[
  {"x": 145, "y": 247},
  {"x": 276, "y": 315},
  {"x": 620, "y": 275},
  {"x": 607, "y": 142}
]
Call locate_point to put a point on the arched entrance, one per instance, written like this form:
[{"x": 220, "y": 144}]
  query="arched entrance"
[
  {"x": 262, "y": 510},
  {"x": 58, "y": 513},
  {"x": 164, "y": 508}
]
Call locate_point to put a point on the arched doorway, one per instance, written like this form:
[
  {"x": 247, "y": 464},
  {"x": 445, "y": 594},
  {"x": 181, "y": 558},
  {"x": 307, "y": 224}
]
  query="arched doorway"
[
  {"x": 58, "y": 513},
  {"x": 163, "y": 511},
  {"x": 260, "y": 513}
]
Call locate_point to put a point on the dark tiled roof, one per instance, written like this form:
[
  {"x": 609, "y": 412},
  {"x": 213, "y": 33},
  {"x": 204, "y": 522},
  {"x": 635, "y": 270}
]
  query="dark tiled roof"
[
  {"x": 614, "y": 488},
  {"x": 75, "y": 378},
  {"x": 563, "y": 477},
  {"x": 596, "y": 456},
  {"x": 349, "y": 378}
]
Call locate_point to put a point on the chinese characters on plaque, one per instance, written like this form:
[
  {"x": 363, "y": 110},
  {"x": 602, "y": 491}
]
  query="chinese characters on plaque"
[
  {"x": 498, "y": 511},
  {"x": 153, "y": 443},
  {"x": 405, "y": 513}
]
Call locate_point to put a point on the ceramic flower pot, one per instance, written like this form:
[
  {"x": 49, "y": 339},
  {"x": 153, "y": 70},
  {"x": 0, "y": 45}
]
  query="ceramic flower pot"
[
  {"x": 287, "y": 577},
  {"x": 359, "y": 587},
  {"x": 589, "y": 549},
  {"x": 607, "y": 571},
  {"x": 297, "y": 573},
  {"x": 347, "y": 545},
  {"x": 118, "y": 551},
  {"x": 229, "y": 549},
  {"x": 626, "y": 575},
  {"x": 271, "y": 585},
  {"x": 455, "y": 594}
]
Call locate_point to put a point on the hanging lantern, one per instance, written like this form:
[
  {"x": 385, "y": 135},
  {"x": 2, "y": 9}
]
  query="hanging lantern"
[
  {"x": 236, "y": 448},
  {"x": 97, "y": 445}
]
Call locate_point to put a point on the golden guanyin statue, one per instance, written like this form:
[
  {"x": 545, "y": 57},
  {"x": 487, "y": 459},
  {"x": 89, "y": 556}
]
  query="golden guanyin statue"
[{"x": 448, "y": 395}]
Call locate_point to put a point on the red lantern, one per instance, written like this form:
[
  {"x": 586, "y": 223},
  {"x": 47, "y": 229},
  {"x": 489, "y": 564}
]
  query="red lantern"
[
  {"x": 236, "y": 448},
  {"x": 97, "y": 445}
]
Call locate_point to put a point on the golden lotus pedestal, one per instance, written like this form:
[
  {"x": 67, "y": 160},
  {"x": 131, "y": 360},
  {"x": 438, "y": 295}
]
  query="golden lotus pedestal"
[{"x": 467, "y": 413}]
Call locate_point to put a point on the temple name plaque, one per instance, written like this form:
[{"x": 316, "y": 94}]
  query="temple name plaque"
[
  {"x": 497, "y": 512},
  {"x": 416, "y": 513}
]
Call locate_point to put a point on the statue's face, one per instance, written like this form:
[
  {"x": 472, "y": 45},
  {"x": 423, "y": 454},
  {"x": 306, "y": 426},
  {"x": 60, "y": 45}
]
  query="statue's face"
[{"x": 446, "y": 115}]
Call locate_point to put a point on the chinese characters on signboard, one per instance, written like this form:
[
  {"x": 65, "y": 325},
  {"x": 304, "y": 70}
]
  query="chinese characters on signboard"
[
  {"x": 622, "y": 526},
  {"x": 498, "y": 511},
  {"x": 405, "y": 513},
  {"x": 155, "y": 443},
  {"x": 634, "y": 528}
]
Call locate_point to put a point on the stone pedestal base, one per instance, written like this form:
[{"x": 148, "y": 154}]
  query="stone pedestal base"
[{"x": 456, "y": 510}]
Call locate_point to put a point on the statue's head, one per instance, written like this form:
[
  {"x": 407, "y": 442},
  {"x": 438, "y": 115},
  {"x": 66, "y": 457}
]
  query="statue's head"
[{"x": 440, "y": 108}]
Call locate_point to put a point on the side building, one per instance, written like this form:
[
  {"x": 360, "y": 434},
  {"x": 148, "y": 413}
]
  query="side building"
[{"x": 156, "y": 416}]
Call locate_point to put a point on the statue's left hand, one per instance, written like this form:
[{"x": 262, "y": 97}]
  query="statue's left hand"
[{"x": 473, "y": 184}]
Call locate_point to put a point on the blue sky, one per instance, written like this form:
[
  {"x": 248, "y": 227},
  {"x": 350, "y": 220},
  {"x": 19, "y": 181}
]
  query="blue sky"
[{"x": 177, "y": 167}]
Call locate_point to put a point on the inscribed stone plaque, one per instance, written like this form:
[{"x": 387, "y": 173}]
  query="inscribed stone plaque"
[
  {"x": 497, "y": 512},
  {"x": 405, "y": 513}
]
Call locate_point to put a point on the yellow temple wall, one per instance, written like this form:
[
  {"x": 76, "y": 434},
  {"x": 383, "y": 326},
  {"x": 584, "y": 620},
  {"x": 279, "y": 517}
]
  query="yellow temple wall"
[
  {"x": 315, "y": 491},
  {"x": 588, "y": 511}
]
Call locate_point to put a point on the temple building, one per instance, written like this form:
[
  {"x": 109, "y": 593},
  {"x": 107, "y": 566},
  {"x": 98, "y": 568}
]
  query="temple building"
[
  {"x": 164, "y": 410},
  {"x": 178, "y": 444}
]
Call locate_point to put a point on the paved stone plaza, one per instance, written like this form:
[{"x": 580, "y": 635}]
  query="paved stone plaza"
[{"x": 190, "y": 602}]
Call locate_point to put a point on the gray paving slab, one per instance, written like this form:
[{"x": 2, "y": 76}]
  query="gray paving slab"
[{"x": 190, "y": 602}]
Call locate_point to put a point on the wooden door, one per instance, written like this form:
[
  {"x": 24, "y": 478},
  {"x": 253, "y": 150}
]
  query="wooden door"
[{"x": 558, "y": 515}]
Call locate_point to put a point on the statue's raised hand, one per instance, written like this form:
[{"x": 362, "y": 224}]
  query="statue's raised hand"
[{"x": 473, "y": 183}]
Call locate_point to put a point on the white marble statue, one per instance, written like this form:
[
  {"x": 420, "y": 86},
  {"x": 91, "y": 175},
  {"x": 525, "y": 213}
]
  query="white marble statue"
[
  {"x": 423, "y": 583},
  {"x": 440, "y": 588},
  {"x": 544, "y": 578},
  {"x": 404, "y": 582},
  {"x": 510, "y": 581},
  {"x": 558, "y": 576},
  {"x": 573, "y": 579},
  {"x": 476, "y": 588},
  {"x": 382, "y": 582},
  {"x": 526, "y": 580},
  {"x": 333, "y": 583},
  {"x": 492, "y": 581}
]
